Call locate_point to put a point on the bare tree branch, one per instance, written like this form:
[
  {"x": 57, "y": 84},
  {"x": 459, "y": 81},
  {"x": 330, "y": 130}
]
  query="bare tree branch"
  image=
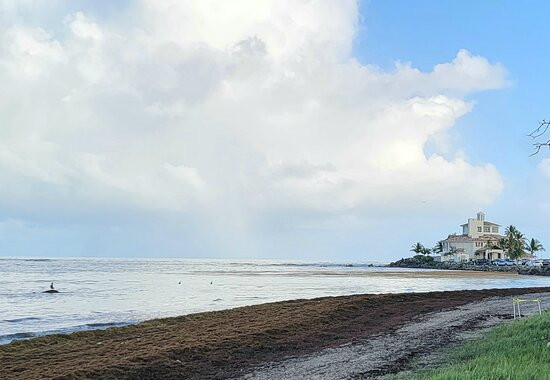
[{"x": 544, "y": 125}]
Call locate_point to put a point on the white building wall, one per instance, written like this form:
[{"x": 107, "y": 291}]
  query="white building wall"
[
  {"x": 467, "y": 247},
  {"x": 475, "y": 228}
]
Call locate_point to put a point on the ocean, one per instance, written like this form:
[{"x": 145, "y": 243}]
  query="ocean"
[{"x": 101, "y": 293}]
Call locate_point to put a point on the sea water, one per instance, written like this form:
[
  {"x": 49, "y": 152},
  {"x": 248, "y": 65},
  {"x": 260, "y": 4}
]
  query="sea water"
[{"x": 100, "y": 293}]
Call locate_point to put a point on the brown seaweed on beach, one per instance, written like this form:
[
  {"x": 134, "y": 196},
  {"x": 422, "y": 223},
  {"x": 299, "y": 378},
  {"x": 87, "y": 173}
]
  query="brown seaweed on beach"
[{"x": 224, "y": 343}]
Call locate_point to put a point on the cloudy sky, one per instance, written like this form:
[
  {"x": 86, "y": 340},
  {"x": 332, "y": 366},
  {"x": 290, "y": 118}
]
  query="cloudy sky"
[{"x": 297, "y": 129}]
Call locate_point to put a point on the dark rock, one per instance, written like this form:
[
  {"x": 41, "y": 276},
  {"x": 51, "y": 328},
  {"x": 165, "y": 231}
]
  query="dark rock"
[{"x": 422, "y": 262}]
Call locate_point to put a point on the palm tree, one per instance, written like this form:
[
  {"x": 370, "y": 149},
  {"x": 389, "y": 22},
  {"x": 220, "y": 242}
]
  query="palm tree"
[
  {"x": 418, "y": 248},
  {"x": 534, "y": 246},
  {"x": 510, "y": 231},
  {"x": 438, "y": 247},
  {"x": 515, "y": 242},
  {"x": 502, "y": 243}
]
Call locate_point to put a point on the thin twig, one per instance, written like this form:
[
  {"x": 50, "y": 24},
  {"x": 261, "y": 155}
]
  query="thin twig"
[
  {"x": 544, "y": 125},
  {"x": 537, "y": 132}
]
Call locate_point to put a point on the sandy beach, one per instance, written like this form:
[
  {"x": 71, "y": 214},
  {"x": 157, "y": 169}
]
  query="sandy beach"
[{"x": 277, "y": 340}]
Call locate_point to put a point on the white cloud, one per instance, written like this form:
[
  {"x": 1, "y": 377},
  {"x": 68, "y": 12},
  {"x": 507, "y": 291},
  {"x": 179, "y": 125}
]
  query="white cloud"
[{"x": 204, "y": 107}]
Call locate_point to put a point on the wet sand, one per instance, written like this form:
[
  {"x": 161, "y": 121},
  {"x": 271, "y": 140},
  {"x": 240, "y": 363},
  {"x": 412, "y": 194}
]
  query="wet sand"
[{"x": 245, "y": 342}]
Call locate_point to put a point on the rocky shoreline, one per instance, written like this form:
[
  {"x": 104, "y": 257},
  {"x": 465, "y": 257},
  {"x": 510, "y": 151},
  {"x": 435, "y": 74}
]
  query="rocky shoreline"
[{"x": 448, "y": 265}]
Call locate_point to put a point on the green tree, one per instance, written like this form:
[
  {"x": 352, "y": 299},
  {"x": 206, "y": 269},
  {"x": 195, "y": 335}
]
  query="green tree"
[
  {"x": 418, "y": 248},
  {"x": 502, "y": 244},
  {"x": 510, "y": 231},
  {"x": 438, "y": 247},
  {"x": 534, "y": 246},
  {"x": 515, "y": 242}
]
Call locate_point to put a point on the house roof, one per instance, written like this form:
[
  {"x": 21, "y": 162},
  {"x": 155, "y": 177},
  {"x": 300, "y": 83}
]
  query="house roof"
[
  {"x": 466, "y": 238},
  {"x": 484, "y": 223},
  {"x": 490, "y": 237},
  {"x": 458, "y": 238}
]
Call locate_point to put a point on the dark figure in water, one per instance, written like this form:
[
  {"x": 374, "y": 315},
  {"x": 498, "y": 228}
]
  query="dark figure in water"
[{"x": 52, "y": 290}]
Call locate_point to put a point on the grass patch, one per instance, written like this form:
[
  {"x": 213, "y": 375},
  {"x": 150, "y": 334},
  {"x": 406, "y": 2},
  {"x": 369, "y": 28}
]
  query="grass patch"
[{"x": 517, "y": 350}]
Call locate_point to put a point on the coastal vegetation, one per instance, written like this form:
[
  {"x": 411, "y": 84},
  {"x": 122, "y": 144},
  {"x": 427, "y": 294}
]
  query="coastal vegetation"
[
  {"x": 422, "y": 253},
  {"x": 514, "y": 242},
  {"x": 534, "y": 246},
  {"x": 518, "y": 350},
  {"x": 419, "y": 249},
  {"x": 438, "y": 248}
]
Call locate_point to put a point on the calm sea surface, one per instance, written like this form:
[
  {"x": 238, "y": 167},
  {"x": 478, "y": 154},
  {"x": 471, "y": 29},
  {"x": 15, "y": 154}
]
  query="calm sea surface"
[{"x": 98, "y": 293}]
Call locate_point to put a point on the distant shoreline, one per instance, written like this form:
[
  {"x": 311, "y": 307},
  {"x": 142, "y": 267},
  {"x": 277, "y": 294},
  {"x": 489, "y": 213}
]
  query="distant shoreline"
[
  {"x": 228, "y": 343},
  {"x": 468, "y": 266}
]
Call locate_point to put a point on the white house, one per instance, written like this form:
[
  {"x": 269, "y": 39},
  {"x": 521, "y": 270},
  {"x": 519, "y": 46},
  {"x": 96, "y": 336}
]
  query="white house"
[{"x": 476, "y": 242}]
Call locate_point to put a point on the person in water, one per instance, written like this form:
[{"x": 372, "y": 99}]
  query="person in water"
[{"x": 51, "y": 290}]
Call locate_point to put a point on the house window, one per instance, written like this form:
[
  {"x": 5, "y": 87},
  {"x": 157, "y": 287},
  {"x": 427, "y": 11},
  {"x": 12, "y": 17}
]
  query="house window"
[
  {"x": 495, "y": 230},
  {"x": 479, "y": 229},
  {"x": 486, "y": 229}
]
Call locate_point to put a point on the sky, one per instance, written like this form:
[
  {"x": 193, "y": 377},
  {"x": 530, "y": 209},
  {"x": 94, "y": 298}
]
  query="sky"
[{"x": 329, "y": 130}]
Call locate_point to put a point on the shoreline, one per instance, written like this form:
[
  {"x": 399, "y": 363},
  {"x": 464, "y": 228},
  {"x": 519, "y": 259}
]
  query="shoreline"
[
  {"x": 411, "y": 263},
  {"x": 229, "y": 343},
  {"x": 23, "y": 334}
]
